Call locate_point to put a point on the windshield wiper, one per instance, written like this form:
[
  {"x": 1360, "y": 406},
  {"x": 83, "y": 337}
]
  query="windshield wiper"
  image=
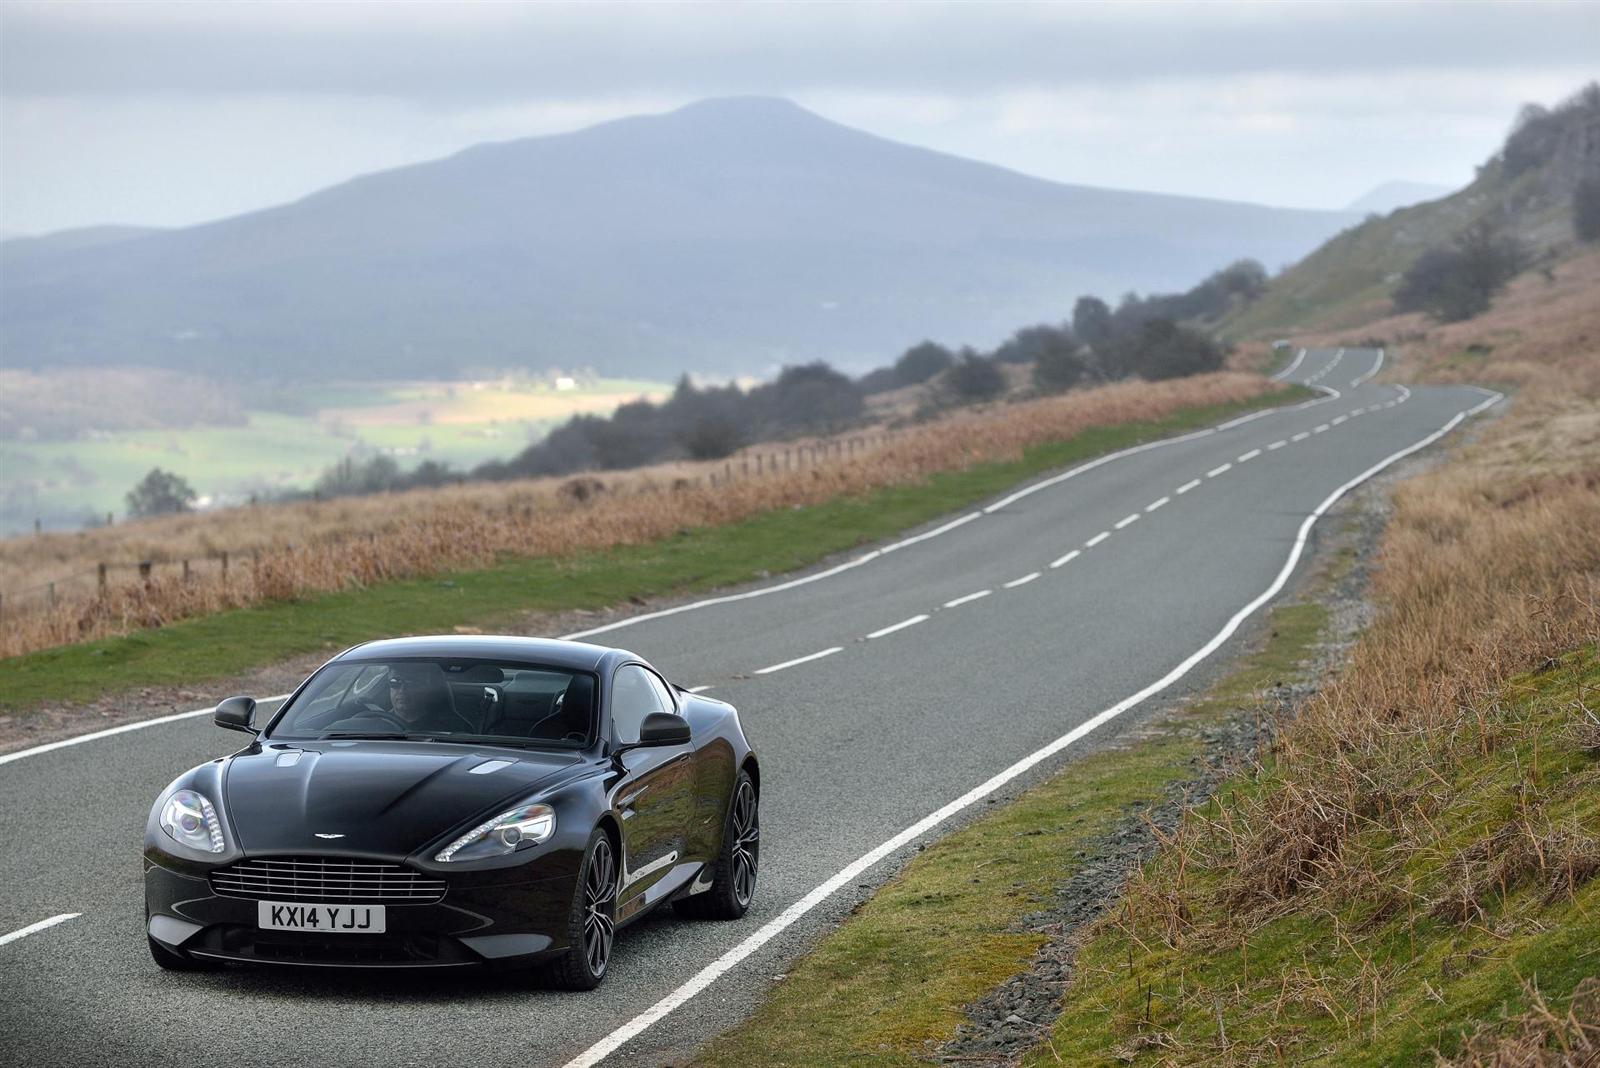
[{"x": 377, "y": 737}]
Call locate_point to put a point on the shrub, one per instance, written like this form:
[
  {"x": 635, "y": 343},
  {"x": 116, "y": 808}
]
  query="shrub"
[
  {"x": 921, "y": 362},
  {"x": 1586, "y": 209},
  {"x": 973, "y": 378},
  {"x": 1458, "y": 282},
  {"x": 1164, "y": 349}
]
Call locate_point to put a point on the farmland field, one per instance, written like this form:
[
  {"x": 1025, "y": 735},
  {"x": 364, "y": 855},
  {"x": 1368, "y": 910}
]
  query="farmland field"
[{"x": 66, "y": 482}]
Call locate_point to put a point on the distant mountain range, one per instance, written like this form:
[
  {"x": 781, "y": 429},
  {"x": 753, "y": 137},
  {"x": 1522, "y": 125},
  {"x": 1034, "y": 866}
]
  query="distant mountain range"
[
  {"x": 728, "y": 237},
  {"x": 1391, "y": 195}
]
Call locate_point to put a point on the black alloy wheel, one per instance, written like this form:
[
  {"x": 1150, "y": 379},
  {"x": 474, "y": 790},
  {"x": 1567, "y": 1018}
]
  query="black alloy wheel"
[
  {"x": 733, "y": 884},
  {"x": 592, "y": 923}
]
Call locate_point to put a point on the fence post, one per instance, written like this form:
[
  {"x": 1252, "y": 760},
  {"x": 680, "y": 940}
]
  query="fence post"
[
  {"x": 186, "y": 572},
  {"x": 144, "y": 571},
  {"x": 224, "y": 567},
  {"x": 100, "y": 577},
  {"x": 761, "y": 464},
  {"x": 727, "y": 471},
  {"x": 52, "y": 595}
]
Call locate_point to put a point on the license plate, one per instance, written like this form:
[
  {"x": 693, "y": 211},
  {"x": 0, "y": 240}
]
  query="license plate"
[{"x": 328, "y": 919}]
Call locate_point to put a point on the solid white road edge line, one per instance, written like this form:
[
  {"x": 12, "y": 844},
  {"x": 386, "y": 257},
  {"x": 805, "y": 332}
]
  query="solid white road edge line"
[
  {"x": 902, "y": 625},
  {"x": 800, "y": 660},
  {"x": 1287, "y": 371},
  {"x": 35, "y": 928},
  {"x": 1362, "y": 378},
  {"x": 124, "y": 728},
  {"x": 968, "y": 599},
  {"x": 772, "y": 928},
  {"x": 1023, "y": 581},
  {"x": 1067, "y": 559}
]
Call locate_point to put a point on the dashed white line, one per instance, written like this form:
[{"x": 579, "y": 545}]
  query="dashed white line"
[
  {"x": 1301, "y": 436},
  {"x": 1067, "y": 559},
  {"x": 1127, "y": 520},
  {"x": 902, "y": 625},
  {"x": 1319, "y": 428},
  {"x": 1277, "y": 445},
  {"x": 1023, "y": 581},
  {"x": 1189, "y": 485},
  {"x": 1336, "y": 420},
  {"x": 799, "y": 660},
  {"x": 1251, "y": 455},
  {"x": 1097, "y": 539},
  {"x": 1215, "y": 471},
  {"x": 968, "y": 599},
  {"x": 851, "y": 872},
  {"x": 1157, "y": 503},
  {"x": 35, "y": 928}
]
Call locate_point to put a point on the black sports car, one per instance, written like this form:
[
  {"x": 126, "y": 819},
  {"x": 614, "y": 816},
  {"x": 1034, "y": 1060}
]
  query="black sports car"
[{"x": 435, "y": 802}]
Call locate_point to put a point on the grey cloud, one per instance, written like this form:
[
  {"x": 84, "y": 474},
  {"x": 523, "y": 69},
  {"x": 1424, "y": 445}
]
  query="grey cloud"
[{"x": 452, "y": 54}]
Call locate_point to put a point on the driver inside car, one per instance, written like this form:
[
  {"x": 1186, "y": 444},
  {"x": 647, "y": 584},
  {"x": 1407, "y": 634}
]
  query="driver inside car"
[{"x": 419, "y": 697}]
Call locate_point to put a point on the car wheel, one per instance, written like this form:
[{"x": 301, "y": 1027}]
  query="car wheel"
[
  {"x": 175, "y": 961},
  {"x": 733, "y": 883},
  {"x": 592, "y": 922}
]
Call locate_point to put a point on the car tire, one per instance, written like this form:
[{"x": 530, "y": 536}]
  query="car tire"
[
  {"x": 592, "y": 920},
  {"x": 173, "y": 960},
  {"x": 733, "y": 882}
]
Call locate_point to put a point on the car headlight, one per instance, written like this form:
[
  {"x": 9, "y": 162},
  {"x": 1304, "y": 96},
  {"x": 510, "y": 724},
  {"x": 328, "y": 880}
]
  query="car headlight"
[
  {"x": 189, "y": 819},
  {"x": 524, "y": 826}
]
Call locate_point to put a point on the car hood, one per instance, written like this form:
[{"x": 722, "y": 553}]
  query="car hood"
[{"x": 377, "y": 797}]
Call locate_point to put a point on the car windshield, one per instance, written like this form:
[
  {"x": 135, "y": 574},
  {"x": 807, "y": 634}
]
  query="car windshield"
[{"x": 445, "y": 699}]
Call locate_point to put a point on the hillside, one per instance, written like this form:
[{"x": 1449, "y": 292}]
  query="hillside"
[
  {"x": 1390, "y": 196},
  {"x": 724, "y": 237},
  {"x": 1526, "y": 189}
]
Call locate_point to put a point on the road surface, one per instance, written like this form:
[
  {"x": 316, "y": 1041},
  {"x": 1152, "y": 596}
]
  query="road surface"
[{"x": 884, "y": 696}]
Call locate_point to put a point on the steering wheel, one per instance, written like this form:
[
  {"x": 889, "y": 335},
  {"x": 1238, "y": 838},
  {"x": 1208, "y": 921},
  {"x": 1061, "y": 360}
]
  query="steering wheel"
[{"x": 372, "y": 712}]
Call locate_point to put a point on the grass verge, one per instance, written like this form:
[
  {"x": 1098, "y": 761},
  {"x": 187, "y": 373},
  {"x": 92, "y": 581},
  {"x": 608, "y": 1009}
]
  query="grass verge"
[
  {"x": 1434, "y": 954},
  {"x": 888, "y": 987},
  {"x": 209, "y": 647}
]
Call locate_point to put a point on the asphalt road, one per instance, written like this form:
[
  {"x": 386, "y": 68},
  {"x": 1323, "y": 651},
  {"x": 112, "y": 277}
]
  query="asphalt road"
[{"x": 1021, "y": 642}]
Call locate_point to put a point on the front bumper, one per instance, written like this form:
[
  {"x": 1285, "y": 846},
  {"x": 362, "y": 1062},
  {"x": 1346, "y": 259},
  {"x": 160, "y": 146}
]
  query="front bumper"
[{"x": 512, "y": 917}]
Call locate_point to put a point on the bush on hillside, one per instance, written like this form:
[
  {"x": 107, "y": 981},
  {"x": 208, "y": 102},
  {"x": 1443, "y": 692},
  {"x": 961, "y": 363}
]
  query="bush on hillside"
[
  {"x": 1165, "y": 349},
  {"x": 160, "y": 493},
  {"x": 921, "y": 362},
  {"x": 973, "y": 378},
  {"x": 1586, "y": 209},
  {"x": 1459, "y": 281}
]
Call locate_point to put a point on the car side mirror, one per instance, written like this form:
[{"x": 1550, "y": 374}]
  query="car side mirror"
[
  {"x": 658, "y": 728},
  {"x": 235, "y": 714}
]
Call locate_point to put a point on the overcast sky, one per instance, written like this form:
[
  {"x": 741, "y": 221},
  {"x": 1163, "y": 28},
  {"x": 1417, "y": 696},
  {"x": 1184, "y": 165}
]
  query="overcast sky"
[{"x": 167, "y": 114}]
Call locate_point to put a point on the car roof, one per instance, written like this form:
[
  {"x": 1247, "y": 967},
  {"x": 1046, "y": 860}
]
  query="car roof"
[{"x": 551, "y": 652}]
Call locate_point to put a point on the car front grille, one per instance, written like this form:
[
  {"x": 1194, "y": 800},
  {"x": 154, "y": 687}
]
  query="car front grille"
[{"x": 326, "y": 879}]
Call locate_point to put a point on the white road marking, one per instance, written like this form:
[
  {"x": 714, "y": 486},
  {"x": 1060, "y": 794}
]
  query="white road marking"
[
  {"x": 902, "y": 625},
  {"x": 1362, "y": 378},
  {"x": 1023, "y": 581},
  {"x": 1189, "y": 485},
  {"x": 1337, "y": 356},
  {"x": 1319, "y": 428},
  {"x": 1097, "y": 539},
  {"x": 140, "y": 725},
  {"x": 35, "y": 928},
  {"x": 852, "y": 871},
  {"x": 1127, "y": 520},
  {"x": 968, "y": 599},
  {"x": 799, "y": 660},
  {"x": 1287, "y": 371},
  {"x": 1301, "y": 436},
  {"x": 1280, "y": 443},
  {"x": 1067, "y": 559},
  {"x": 1251, "y": 455},
  {"x": 1215, "y": 471},
  {"x": 1336, "y": 420},
  {"x": 1157, "y": 503}
]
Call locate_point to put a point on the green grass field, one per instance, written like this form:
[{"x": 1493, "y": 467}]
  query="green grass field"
[{"x": 66, "y": 482}]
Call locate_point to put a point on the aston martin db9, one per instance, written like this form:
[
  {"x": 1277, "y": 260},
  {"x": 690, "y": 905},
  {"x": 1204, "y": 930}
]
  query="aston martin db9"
[{"x": 455, "y": 801}]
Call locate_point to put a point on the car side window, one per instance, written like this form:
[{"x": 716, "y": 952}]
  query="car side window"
[
  {"x": 633, "y": 697},
  {"x": 663, "y": 692}
]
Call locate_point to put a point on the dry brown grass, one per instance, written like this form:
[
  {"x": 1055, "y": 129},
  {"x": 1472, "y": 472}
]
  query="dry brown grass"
[
  {"x": 1541, "y": 1038},
  {"x": 282, "y": 551}
]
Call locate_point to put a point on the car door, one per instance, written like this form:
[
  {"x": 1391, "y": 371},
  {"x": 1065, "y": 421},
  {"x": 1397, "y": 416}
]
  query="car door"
[{"x": 656, "y": 796}]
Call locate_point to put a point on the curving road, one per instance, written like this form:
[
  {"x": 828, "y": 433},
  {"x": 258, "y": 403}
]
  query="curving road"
[{"x": 886, "y": 695}]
